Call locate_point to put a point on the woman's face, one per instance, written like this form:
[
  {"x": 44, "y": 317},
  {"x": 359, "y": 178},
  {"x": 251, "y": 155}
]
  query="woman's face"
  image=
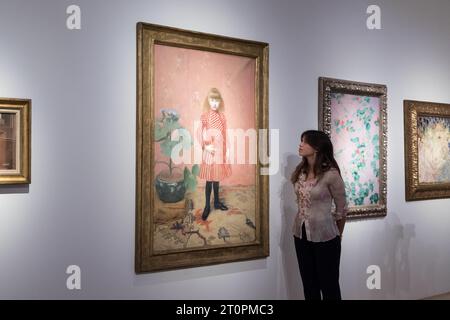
[
  {"x": 304, "y": 149},
  {"x": 214, "y": 103}
]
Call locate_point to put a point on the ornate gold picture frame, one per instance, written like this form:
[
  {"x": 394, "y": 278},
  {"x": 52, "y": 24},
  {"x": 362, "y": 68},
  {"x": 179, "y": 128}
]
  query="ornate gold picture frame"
[
  {"x": 354, "y": 115},
  {"x": 178, "y": 71},
  {"x": 427, "y": 150},
  {"x": 15, "y": 141}
]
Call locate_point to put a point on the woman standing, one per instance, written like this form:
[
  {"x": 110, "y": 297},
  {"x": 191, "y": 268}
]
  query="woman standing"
[{"x": 317, "y": 230}]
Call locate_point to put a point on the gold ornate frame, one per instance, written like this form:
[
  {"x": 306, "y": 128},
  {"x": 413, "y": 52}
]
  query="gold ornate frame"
[
  {"x": 327, "y": 86},
  {"x": 146, "y": 260},
  {"x": 414, "y": 189},
  {"x": 22, "y": 107}
]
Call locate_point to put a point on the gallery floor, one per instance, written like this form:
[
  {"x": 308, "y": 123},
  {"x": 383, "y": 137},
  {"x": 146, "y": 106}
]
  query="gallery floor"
[{"x": 445, "y": 296}]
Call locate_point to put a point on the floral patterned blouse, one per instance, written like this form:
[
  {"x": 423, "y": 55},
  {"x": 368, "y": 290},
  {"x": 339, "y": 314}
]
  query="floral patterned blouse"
[{"x": 315, "y": 209}]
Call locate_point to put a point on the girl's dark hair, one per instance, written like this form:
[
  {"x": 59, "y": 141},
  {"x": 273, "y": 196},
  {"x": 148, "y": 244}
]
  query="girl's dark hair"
[{"x": 324, "y": 158}]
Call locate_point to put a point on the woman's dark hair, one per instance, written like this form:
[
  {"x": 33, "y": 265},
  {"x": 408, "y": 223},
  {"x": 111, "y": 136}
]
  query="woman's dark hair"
[{"x": 324, "y": 158}]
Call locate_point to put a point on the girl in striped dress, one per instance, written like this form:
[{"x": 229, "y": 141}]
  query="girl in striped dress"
[{"x": 213, "y": 139}]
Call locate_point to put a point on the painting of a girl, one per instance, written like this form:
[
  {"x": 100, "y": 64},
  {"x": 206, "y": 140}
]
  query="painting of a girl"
[
  {"x": 212, "y": 97},
  {"x": 212, "y": 136}
]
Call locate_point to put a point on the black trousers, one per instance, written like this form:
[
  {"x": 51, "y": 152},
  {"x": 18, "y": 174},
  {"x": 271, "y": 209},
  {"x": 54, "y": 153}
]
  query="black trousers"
[{"x": 319, "y": 267}]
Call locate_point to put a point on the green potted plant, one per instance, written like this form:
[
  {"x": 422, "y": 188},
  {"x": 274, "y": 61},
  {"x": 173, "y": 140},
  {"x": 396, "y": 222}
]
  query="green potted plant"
[{"x": 172, "y": 183}]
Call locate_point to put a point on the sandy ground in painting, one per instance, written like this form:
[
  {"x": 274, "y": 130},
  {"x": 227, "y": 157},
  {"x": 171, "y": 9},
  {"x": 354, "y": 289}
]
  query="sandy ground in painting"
[{"x": 222, "y": 228}]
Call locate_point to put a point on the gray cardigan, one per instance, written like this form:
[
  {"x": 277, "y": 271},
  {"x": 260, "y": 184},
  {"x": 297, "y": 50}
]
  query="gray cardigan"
[{"x": 314, "y": 199}]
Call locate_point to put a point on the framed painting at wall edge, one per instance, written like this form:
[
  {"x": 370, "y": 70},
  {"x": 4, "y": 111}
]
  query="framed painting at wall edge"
[
  {"x": 427, "y": 150},
  {"x": 200, "y": 197},
  {"x": 354, "y": 115},
  {"x": 15, "y": 141}
]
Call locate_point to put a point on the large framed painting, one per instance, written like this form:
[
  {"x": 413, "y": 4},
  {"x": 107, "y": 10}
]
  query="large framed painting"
[
  {"x": 427, "y": 150},
  {"x": 15, "y": 141},
  {"x": 354, "y": 115},
  {"x": 202, "y": 108}
]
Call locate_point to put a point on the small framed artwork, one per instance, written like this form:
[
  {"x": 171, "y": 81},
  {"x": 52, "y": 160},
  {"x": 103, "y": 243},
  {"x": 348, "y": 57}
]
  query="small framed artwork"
[
  {"x": 15, "y": 141},
  {"x": 354, "y": 115},
  {"x": 427, "y": 150},
  {"x": 202, "y": 108}
]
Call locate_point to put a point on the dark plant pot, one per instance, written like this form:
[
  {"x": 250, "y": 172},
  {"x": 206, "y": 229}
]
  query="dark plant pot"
[{"x": 170, "y": 191}]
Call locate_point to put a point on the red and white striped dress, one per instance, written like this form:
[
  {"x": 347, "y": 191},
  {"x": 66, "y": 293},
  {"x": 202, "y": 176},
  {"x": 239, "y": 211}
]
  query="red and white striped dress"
[{"x": 213, "y": 166}]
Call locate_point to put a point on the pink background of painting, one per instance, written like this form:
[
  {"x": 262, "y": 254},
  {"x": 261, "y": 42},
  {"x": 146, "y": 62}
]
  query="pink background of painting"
[{"x": 183, "y": 78}]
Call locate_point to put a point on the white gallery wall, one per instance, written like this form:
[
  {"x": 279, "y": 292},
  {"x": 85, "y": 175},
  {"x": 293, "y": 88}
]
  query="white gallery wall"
[{"x": 80, "y": 206}]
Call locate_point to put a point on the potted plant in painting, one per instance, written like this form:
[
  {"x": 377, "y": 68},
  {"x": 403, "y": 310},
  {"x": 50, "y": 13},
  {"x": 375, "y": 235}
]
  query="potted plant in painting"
[{"x": 173, "y": 182}]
